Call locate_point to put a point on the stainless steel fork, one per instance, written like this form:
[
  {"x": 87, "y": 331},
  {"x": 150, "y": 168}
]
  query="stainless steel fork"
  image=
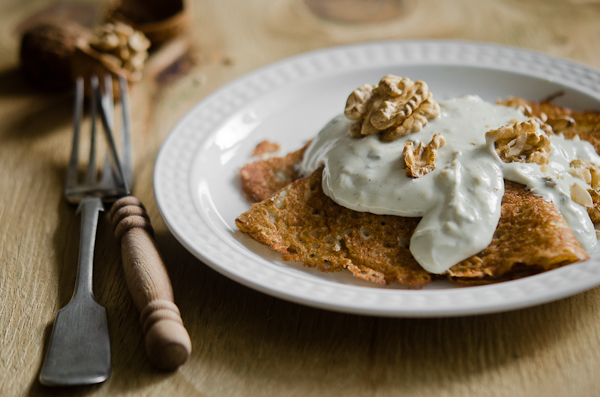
[{"x": 79, "y": 350}]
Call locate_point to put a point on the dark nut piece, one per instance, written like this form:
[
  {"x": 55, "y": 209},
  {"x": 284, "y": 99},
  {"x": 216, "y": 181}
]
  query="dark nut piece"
[{"x": 47, "y": 51}]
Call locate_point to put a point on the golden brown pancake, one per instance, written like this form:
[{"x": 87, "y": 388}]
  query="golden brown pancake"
[
  {"x": 532, "y": 236},
  {"x": 295, "y": 218},
  {"x": 305, "y": 225},
  {"x": 264, "y": 177}
]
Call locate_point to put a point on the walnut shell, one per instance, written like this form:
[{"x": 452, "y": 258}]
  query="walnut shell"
[
  {"x": 159, "y": 20},
  {"x": 47, "y": 51}
]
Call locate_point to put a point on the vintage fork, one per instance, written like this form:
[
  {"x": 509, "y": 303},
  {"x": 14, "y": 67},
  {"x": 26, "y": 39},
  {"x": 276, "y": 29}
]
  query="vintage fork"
[{"x": 79, "y": 350}]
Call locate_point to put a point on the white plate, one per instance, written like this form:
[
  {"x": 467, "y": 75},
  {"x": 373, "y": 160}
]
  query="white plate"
[{"x": 198, "y": 194}]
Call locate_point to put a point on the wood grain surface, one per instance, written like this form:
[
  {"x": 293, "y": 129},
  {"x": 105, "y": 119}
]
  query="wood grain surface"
[{"x": 246, "y": 343}]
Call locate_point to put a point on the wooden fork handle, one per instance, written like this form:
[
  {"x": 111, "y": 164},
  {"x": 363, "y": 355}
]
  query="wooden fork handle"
[{"x": 168, "y": 344}]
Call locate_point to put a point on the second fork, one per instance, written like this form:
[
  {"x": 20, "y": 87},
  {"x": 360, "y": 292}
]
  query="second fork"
[{"x": 79, "y": 350}]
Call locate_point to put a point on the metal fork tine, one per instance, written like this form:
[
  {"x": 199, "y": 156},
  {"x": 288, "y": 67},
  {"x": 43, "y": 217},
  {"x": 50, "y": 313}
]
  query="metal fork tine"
[
  {"x": 91, "y": 173},
  {"x": 72, "y": 168},
  {"x": 108, "y": 100},
  {"x": 107, "y": 103},
  {"x": 106, "y": 173},
  {"x": 127, "y": 151},
  {"x": 112, "y": 149}
]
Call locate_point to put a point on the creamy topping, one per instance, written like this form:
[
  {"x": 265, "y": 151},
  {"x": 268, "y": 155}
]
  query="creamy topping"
[{"x": 460, "y": 199}]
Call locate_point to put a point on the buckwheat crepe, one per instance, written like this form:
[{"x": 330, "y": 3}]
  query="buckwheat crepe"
[{"x": 293, "y": 216}]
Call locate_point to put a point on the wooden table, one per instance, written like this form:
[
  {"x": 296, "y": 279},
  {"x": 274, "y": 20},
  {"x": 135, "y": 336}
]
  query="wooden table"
[{"x": 246, "y": 343}]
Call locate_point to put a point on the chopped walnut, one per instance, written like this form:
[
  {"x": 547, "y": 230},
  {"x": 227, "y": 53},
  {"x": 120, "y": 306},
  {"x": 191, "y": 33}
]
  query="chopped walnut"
[
  {"x": 594, "y": 210},
  {"x": 586, "y": 171},
  {"x": 550, "y": 124},
  {"x": 581, "y": 196},
  {"x": 121, "y": 46},
  {"x": 395, "y": 107},
  {"x": 561, "y": 124},
  {"x": 421, "y": 161},
  {"x": 520, "y": 142}
]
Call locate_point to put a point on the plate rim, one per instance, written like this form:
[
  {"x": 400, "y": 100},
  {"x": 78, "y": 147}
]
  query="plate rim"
[{"x": 340, "y": 307}]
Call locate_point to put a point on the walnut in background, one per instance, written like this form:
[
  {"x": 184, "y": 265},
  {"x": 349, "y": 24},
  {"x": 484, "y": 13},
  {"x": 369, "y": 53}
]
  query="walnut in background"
[
  {"x": 120, "y": 45},
  {"x": 47, "y": 52},
  {"x": 54, "y": 53},
  {"x": 159, "y": 20}
]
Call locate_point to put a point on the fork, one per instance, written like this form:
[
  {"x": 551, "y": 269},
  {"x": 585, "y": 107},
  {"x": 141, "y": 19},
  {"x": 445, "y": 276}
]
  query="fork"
[
  {"x": 79, "y": 350},
  {"x": 168, "y": 344}
]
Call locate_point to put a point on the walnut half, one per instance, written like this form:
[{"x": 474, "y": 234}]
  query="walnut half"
[
  {"x": 520, "y": 142},
  {"x": 421, "y": 161},
  {"x": 395, "y": 107}
]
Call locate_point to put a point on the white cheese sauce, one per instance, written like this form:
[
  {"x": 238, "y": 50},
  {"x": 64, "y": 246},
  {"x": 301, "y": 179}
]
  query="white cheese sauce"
[{"x": 459, "y": 201}]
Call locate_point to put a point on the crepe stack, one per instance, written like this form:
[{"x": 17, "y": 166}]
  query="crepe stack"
[{"x": 293, "y": 216}]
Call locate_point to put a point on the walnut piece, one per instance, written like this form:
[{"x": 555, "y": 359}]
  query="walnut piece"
[
  {"x": 586, "y": 171},
  {"x": 594, "y": 210},
  {"x": 581, "y": 195},
  {"x": 395, "y": 107},
  {"x": 421, "y": 161},
  {"x": 121, "y": 45},
  {"x": 551, "y": 123},
  {"x": 520, "y": 142}
]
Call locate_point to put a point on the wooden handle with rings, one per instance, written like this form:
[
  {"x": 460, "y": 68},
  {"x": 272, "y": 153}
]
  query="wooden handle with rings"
[{"x": 168, "y": 343}]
